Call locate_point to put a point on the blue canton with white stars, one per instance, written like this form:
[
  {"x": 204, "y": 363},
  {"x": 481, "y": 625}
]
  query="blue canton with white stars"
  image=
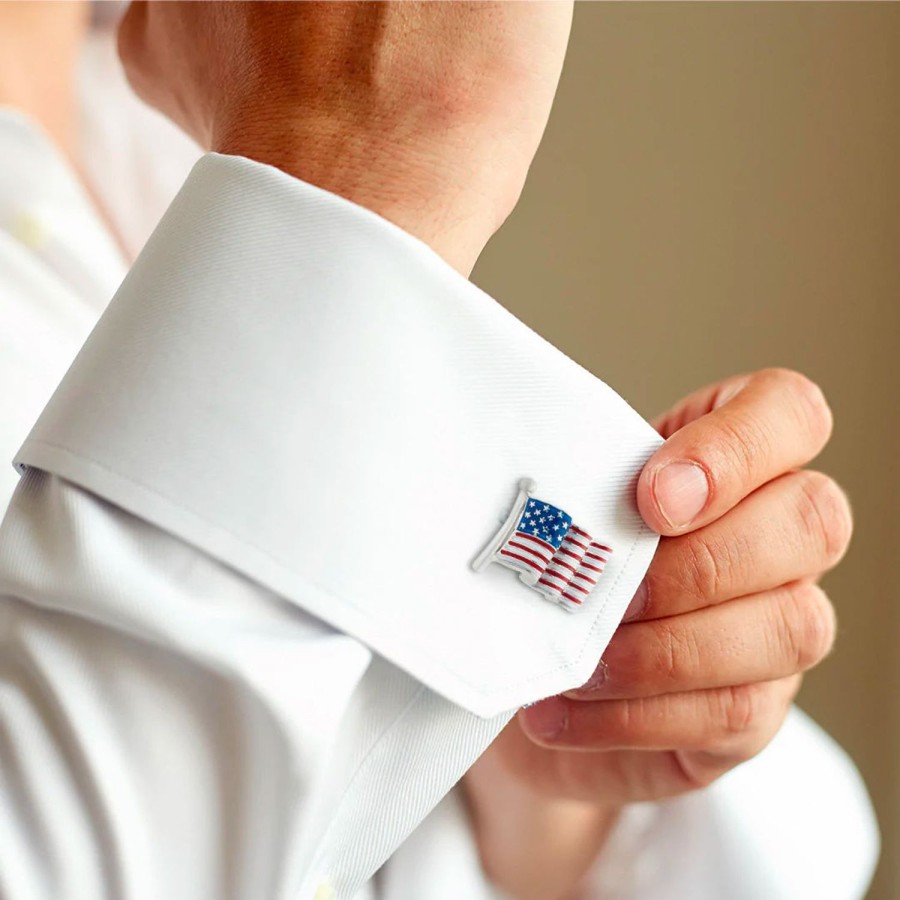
[{"x": 544, "y": 521}]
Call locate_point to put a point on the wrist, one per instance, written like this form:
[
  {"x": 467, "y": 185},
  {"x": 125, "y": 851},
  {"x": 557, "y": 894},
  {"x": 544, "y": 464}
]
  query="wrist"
[
  {"x": 533, "y": 846},
  {"x": 428, "y": 114}
]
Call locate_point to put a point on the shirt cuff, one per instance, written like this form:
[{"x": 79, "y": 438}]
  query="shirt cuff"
[{"x": 312, "y": 396}]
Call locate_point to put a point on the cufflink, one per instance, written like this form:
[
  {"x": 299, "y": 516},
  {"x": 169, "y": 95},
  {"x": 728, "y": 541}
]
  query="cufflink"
[{"x": 550, "y": 553}]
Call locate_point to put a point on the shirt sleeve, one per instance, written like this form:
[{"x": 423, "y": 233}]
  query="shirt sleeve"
[
  {"x": 176, "y": 755},
  {"x": 243, "y": 648},
  {"x": 795, "y": 821}
]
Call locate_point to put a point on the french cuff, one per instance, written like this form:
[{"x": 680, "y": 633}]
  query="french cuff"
[{"x": 312, "y": 396}]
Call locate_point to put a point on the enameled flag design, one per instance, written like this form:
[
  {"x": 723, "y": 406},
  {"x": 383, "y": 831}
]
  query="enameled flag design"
[{"x": 551, "y": 554}]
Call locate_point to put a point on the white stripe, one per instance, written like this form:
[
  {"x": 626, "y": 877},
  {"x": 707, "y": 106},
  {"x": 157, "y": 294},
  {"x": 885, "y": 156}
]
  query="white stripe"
[
  {"x": 528, "y": 554},
  {"x": 536, "y": 549},
  {"x": 535, "y": 554}
]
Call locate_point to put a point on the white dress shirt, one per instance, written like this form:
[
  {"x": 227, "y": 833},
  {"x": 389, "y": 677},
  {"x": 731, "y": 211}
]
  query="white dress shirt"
[{"x": 244, "y": 653}]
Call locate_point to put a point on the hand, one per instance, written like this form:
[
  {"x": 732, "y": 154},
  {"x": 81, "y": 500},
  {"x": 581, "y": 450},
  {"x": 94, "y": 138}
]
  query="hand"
[
  {"x": 702, "y": 673},
  {"x": 427, "y": 113}
]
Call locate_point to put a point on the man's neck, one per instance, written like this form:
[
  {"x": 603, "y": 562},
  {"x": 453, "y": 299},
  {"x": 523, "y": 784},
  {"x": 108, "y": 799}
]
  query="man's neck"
[{"x": 39, "y": 47}]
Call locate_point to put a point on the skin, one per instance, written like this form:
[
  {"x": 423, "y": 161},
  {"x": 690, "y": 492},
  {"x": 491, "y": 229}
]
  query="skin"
[
  {"x": 51, "y": 32},
  {"x": 430, "y": 114}
]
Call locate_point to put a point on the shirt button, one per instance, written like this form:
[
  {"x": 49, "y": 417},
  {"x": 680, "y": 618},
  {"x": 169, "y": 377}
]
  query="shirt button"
[
  {"x": 29, "y": 230},
  {"x": 324, "y": 892}
]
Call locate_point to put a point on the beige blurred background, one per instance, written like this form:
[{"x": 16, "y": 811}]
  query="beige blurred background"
[{"x": 718, "y": 191}]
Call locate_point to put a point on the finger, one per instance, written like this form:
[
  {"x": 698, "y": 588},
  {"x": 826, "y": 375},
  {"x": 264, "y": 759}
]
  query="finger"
[
  {"x": 633, "y": 775},
  {"x": 757, "y": 638},
  {"x": 777, "y": 421},
  {"x": 698, "y": 404},
  {"x": 794, "y": 527},
  {"x": 730, "y": 723}
]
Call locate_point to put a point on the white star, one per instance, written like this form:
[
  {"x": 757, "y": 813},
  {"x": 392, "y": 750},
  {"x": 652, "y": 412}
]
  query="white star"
[
  {"x": 527, "y": 514},
  {"x": 542, "y": 520},
  {"x": 546, "y": 507},
  {"x": 556, "y": 527}
]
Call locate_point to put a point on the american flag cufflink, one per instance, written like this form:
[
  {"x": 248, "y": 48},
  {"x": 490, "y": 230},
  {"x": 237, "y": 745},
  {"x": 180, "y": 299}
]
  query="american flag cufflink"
[{"x": 552, "y": 555}]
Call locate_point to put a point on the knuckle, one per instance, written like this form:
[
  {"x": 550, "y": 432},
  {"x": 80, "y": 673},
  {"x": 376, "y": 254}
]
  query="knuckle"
[
  {"x": 741, "y": 708},
  {"x": 813, "y": 408},
  {"x": 729, "y": 389},
  {"x": 743, "y": 442},
  {"x": 770, "y": 704},
  {"x": 706, "y": 566},
  {"x": 697, "y": 770},
  {"x": 810, "y": 631},
  {"x": 616, "y": 724},
  {"x": 625, "y": 723},
  {"x": 825, "y": 514},
  {"x": 675, "y": 655},
  {"x": 748, "y": 716}
]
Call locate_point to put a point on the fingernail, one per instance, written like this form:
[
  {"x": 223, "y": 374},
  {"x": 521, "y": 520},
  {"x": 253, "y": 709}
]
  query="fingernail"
[
  {"x": 597, "y": 679},
  {"x": 546, "y": 718},
  {"x": 681, "y": 490},
  {"x": 729, "y": 392},
  {"x": 638, "y": 602}
]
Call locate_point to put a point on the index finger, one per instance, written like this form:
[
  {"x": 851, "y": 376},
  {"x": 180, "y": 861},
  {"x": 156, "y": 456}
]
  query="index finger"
[{"x": 779, "y": 420}]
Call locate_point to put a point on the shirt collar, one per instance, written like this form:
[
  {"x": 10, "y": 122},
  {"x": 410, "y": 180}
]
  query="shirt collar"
[{"x": 311, "y": 395}]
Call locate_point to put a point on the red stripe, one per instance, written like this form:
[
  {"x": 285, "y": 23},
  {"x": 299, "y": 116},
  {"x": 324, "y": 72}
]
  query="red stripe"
[
  {"x": 555, "y": 588},
  {"x": 584, "y": 577},
  {"x": 569, "y": 597},
  {"x": 594, "y": 556},
  {"x": 562, "y": 578},
  {"x": 578, "y": 587},
  {"x": 584, "y": 534},
  {"x": 537, "y": 540},
  {"x": 528, "y": 549},
  {"x": 576, "y": 543},
  {"x": 568, "y": 553},
  {"x": 565, "y": 565},
  {"x": 585, "y": 565},
  {"x": 533, "y": 565}
]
